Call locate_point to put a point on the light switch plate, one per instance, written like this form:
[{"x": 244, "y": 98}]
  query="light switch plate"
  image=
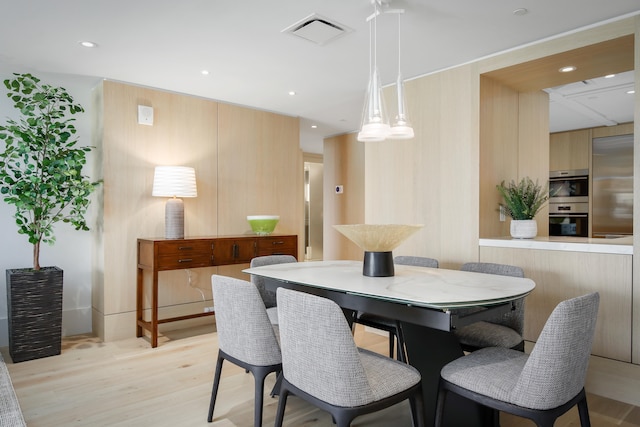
[{"x": 145, "y": 115}]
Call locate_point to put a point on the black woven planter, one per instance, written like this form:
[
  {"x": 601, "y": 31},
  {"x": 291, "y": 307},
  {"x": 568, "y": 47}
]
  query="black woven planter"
[{"x": 34, "y": 305}]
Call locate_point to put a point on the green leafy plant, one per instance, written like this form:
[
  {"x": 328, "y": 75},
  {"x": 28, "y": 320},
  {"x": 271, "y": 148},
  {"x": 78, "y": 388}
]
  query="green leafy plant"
[
  {"x": 523, "y": 200},
  {"x": 41, "y": 166}
]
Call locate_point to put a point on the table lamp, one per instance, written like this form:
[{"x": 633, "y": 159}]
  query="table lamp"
[{"x": 174, "y": 182}]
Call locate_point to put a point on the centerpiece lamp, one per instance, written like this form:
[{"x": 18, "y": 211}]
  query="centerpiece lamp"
[{"x": 378, "y": 242}]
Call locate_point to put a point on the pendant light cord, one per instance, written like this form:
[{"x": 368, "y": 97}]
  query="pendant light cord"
[
  {"x": 399, "y": 39},
  {"x": 370, "y": 49},
  {"x": 375, "y": 34}
]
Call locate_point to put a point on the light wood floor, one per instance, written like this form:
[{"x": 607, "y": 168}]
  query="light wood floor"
[{"x": 127, "y": 383}]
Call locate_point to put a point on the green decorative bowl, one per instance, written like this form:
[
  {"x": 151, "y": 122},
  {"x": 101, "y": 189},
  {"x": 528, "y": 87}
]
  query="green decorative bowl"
[{"x": 263, "y": 225}]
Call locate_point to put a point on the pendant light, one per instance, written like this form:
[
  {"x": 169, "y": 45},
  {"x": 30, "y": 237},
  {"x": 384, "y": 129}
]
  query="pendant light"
[
  {"x": 401, "y": 126},
  {"x": 375, "y": 125}
]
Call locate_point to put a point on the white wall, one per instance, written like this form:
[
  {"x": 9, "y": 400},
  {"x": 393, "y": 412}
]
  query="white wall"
[{"x": 72, "y": 251}]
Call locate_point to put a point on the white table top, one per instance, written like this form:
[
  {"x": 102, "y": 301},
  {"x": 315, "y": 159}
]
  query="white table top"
[{"x": 419, "y": 286}]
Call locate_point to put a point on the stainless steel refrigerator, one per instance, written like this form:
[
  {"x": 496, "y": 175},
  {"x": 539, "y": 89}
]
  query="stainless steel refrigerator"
[{"x": 612, "y": 185}]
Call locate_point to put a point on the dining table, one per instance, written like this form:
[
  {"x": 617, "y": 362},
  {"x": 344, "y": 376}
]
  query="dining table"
[{"x": 428, "y": 303}]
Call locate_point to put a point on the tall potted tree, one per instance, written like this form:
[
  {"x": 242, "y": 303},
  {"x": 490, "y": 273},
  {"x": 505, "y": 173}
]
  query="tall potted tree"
[{"x": 41, "y": 175}]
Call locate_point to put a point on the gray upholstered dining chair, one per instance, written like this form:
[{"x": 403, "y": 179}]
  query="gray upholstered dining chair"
[
  {"x": 502, "y": 331},
  {"x": 269, "y": 297},
  {"x": 541, "y": 386},
  {"x": 391, "y": 325},
  {"x": 322, "y": 365},
  {"x": 245, "y": 336}
]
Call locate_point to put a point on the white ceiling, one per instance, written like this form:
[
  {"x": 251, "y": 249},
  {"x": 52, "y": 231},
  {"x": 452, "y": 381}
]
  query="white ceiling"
[{"x": 166, "y": 44}]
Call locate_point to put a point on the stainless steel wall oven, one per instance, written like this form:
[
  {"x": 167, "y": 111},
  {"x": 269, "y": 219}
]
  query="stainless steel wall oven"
[{"x": 569, "y": 203}]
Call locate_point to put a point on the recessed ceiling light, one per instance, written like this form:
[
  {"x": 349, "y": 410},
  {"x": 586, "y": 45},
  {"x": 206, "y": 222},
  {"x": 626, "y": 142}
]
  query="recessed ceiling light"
[
  {"x": 568, "y": 69},
  {"x": 314, "y": 126},
  {"x": 87, "y": 43},
  {"x": 205, "y": 72},
  {"x": 609, "y": 76},
  {"x": 520, "y": 11},
  {"x": 631, "y": 92},
  {"x": 291, "y": 92}
]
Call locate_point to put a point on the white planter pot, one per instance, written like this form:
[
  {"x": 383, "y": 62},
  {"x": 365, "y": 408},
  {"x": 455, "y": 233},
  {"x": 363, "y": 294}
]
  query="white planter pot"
[{"x": 524, "y": 229}]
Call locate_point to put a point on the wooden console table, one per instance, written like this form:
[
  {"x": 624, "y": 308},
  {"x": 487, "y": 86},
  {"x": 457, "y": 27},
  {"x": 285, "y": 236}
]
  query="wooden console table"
[{"x": 159, "y": 254}]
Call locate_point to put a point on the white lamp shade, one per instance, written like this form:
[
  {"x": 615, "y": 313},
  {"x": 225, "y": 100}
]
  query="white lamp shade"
[
  {"x": 400, "y": 126},
  {"x": 375, "y": 125},
  {"x": 401, "y": 132},
  {"x": 174, "y": 181},
  {"x": 373, "y": 132}
]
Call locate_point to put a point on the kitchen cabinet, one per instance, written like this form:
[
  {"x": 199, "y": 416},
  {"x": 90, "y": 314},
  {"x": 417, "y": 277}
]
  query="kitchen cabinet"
[{"x": 569, "y": 150}]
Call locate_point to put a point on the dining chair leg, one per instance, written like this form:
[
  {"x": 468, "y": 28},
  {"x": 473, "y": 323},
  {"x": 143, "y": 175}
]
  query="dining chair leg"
[
  {"x": 392, "y": 344},
  {"x": 402, "y": 354},
  {"x": 276, "y": 387},
  {"x": 442, "y": 396},
  {"x": 282, "y": 402},
  {"x": 583, "y": 411},
  {"x": 214, "y": 390},
  {"x": 258, "y": 399},
  {"x": 416, "y": 403}
]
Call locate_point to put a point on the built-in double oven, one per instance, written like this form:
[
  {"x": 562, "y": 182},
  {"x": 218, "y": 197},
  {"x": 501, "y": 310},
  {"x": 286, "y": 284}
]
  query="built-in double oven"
[{"x": 569, "y": 203}]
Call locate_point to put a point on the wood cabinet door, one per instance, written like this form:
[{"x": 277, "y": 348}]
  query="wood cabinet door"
[
  {"x": 569, "y": 150},
  {"x": 233, "y": 250}
]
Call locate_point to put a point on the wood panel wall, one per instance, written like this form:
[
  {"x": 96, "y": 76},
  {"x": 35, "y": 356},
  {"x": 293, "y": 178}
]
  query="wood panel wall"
[
  {"x": 533, "y": 145},
  {"x": 498, "y": 151},
  {"x": 346, "y": 168},
  {"x": 260, "y": 170},
  {"x": 246, "y": 162}
]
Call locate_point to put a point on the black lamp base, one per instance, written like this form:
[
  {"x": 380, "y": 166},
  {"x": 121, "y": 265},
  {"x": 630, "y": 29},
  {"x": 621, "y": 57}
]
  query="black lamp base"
[{"x": 378, "y": 264}]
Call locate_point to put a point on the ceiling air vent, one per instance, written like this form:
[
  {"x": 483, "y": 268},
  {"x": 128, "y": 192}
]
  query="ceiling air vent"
[{"x": 317, "y": 29}]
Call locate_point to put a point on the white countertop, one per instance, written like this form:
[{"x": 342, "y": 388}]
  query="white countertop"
[
  {"x": 419, "y": 286},
  {"x": 620, "y": 246}
]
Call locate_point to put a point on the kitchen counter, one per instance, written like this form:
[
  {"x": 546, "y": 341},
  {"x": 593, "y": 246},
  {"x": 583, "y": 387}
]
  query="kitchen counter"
[{"x": 620, "y": 245}]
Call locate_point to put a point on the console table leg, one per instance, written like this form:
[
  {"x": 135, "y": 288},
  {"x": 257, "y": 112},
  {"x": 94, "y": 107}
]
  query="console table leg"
[
  {"x": 139, "y": 295},
  {"x": 154, "y": 311}
]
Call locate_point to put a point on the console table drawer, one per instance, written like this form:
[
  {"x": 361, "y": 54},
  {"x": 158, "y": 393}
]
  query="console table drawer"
[
  {"x": 184, "y": 247},
  {"x": 183, "y": 254},
  {"x": 175, "y": 262},
  {"x": 278, "y": 245}
]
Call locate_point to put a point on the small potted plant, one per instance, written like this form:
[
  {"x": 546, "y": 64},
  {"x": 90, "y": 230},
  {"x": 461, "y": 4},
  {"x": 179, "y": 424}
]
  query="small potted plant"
[
  {"x": 41, "y": 175},
  {"x": 522, "y": 201}
]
